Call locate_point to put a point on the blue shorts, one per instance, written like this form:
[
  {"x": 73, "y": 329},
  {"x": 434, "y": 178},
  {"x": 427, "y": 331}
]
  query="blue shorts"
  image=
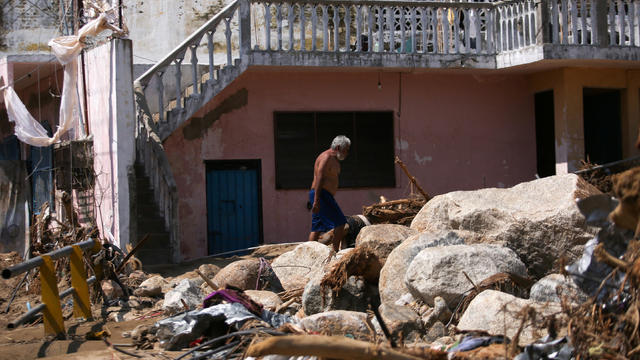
[{"x": 329, "y": 216}]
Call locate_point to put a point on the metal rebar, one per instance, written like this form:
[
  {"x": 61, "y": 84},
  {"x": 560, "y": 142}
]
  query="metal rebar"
[
  {"x": 35, "y": 310},
  {"x": 37, "y": 261}
]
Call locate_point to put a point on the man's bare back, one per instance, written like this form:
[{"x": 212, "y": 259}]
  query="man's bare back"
[{"x": 326, "y": 172}]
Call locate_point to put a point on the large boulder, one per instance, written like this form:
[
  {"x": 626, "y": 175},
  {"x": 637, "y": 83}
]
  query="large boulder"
[
  {"x": 353, "y": 296},
  {"x": 539, "y": 219},
  {"x": 242, "y": 274},
  {"x": 391, "y": 283},
  {"x": 440, "y": 271},
  {"x": 151, "y": 287},
  {"x": 401, "y": 322},
  {"x": 342, "y": 323},
  {"x": 186, "y": 291},
  {"x": 553, "y": 286},
  {"x": 268, "y": 299},
  {"x": 383, "y": 238},
  {"x": 499, "y": 313},
  {"x": 296, "y": 267}
]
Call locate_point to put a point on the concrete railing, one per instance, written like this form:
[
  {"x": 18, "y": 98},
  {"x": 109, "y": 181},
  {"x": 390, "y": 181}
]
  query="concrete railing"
[{"x": 150, "y": 153}]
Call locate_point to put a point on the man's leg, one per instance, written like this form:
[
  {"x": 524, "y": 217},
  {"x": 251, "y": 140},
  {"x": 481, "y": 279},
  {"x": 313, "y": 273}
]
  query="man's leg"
[
  {"x": 314, "y": 235},
  {"x": 338, "y": 235}
]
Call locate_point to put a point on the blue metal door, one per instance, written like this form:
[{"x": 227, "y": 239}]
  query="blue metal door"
[{"x": 233, "y": 206}]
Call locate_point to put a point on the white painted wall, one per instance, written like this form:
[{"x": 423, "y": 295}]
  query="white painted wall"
[{"x": 111, "y": 115}]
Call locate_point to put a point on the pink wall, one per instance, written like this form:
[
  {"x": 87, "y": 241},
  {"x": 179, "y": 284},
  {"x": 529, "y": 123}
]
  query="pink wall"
[{"x": 454, "y": 132}]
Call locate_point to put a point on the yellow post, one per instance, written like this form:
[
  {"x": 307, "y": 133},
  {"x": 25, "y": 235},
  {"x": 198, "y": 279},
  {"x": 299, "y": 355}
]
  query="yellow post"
[
  {"x": 52, "y": 313},
  {"x": 81, "y": 302}
]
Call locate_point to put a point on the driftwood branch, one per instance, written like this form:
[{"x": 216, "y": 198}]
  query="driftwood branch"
[
  {"x": 207, "y": 280},
  {"x": 412, "y": 179},
  {"x": 334, "y": 347}
]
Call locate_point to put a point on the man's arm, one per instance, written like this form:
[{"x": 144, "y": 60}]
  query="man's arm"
[{"x": 318, "y": 173}]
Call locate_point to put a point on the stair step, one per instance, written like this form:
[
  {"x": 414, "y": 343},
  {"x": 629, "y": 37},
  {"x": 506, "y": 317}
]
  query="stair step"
[{"x": 153, "y": 257}]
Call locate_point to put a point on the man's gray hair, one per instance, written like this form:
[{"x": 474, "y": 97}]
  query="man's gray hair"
[{"x": 340, "y": 141}]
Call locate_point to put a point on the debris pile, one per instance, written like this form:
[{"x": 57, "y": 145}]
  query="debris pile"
[{"x": 546, "y": 269}]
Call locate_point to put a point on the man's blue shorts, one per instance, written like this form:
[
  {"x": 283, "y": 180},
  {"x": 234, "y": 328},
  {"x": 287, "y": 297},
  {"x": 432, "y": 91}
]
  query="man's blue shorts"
[{"x": 329, "y": 215}]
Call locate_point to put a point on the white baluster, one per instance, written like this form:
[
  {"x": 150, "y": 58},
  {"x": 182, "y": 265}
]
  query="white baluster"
[
  {"x": 210, "y": 48},
  {"x": 227, "y": 33},
  {"x": 194, "y": 68},
  {"x": 358, "y": 27},
  {"x": 347, "y": 26},
  {"x": 632, "y": 23},
  {"x": 279, "y": 25},
  {"x": 434, "y": 24},
  {"x": 314, "y": 26},
  {"x": 612, "y": 22},
  {"x": 445, "y": 29},
  {"x": 467, "y": 31},
  {"x": 178, "y": 62},
  {"x": 622, "y": 21},
  {"x": 160, "y": 87},
  {"x": 325, "y": 27},
  {"x": 267, "y": 26},
  {"x": 425, "y": 29},
  {"x": 391, "y": 23},
  {"x": 402, "y": 30},
  {"x": 380, "y": 20},
  {"x": 336, "y": 26},
  {"x": 303, "y": 41},
  {"x": 290, "y": 20},
  {"x": 414, "y": 25},
  {"x": 555, "y": 29}
]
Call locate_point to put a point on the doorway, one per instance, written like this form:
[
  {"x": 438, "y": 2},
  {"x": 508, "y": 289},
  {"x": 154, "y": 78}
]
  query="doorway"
[
  {"x": 234, "y": 207},
  {"x": 42, "y": 178},
  {"x": 545, "y": 134},
  {"x": 602, "y": 125}
]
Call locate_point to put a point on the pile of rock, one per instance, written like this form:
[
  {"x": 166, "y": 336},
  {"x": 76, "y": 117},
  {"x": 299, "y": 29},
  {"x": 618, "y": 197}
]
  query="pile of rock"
[{"x": 441, "y": 275}]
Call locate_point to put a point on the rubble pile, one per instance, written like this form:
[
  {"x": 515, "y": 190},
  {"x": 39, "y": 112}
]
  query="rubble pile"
[{"x": 547, "y": 269}]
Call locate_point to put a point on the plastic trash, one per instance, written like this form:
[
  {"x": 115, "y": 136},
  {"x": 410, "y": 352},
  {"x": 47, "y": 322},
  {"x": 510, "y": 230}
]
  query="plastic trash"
[
  {"x": 587, "y": 272},
  {"x": 178, "y": 331},
  {"x": 559, "y": 349},
  {"x": 471, "y": 342}
]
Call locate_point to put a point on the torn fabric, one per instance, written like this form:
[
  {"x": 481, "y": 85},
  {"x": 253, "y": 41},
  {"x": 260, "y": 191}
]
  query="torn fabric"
[{"x": 66, "y": 50}]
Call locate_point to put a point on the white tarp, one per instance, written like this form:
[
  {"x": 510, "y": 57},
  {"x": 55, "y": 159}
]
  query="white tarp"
[{"x": 66, "y": 49}]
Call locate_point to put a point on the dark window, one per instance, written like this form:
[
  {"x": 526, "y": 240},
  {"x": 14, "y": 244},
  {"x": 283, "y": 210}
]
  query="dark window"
[{"x": 301, "y": 136}]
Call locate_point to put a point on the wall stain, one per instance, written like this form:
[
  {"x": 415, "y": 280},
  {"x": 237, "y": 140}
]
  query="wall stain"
[{"x": 198, "y": 126}]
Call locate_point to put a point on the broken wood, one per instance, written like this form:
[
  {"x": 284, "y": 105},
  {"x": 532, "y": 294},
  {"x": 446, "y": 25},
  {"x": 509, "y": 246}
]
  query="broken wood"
[
  {"x": 412, "y": 179},
  {"x": 130, "y": 254},
  {"x": 334, "y": 347},
  {"x": 207, "y": 280}
]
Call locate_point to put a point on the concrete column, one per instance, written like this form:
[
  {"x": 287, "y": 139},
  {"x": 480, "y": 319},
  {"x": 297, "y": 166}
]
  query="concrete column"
[{"x": 124, "y": 119}]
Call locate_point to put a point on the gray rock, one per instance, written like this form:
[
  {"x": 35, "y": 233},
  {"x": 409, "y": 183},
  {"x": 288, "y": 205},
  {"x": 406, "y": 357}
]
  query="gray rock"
[
  {"x": 242, "y": 274},
  {"x": 547, "y": 288},
  {"x": 440, "y": 312},
  {"x": 151, "y": 287},
  {"x": 186, "y": 290},
  {"x": 401, "y": 321},
  {"x": 391, "y": 284},
  {"x": 268, "y": 299},
  {"x": 436, "y": 331},
  {"x": 539, "y": 219},
  {"x": 296, "y": 267},
  {"x": 383, "y": 238},
  {"x": 111, "y": 289},
  {"x": 341, "y": 323},
  {"x": 209, "y": 270},
  {"x": 498, "y": 313},
  {"x": 439, "y": 271},
  {"x": 353, "y": 296}
]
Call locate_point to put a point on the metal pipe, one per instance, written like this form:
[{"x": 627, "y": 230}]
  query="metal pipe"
[
  {"x": 31, "y": 313},
  {"x": 37, "y": 261}
]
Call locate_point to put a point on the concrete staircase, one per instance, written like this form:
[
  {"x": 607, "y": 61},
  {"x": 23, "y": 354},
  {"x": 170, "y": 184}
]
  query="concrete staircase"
[{"x": 156, "y": 249}]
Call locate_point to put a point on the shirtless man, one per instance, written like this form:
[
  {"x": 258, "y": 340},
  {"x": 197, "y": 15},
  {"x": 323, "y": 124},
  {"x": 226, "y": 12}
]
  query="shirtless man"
[{"x": 326, "y": 212}]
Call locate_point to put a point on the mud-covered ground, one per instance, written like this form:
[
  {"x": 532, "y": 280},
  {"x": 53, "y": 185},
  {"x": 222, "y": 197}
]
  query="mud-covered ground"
[{"x": 28, "y": 341}]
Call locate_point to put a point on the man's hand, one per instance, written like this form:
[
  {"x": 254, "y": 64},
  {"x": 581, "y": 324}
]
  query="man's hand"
[{"x": 316, "y": 207}]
